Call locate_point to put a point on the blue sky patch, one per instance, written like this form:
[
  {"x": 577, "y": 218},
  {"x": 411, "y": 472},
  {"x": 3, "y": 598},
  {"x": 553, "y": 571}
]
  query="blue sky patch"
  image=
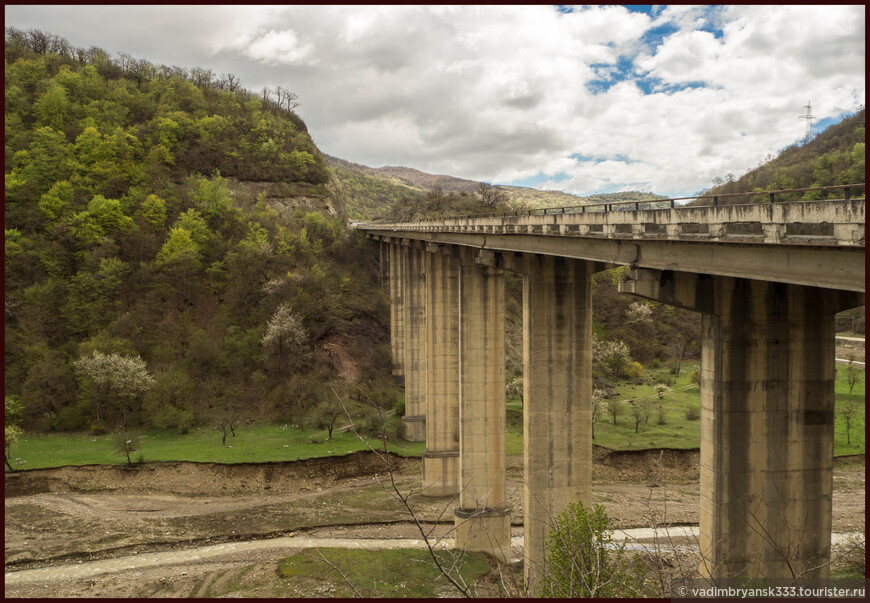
[
  {"x": 580, "y": 158},
  {"x": 656, "y": 36},
  {"x": 653, "y": 85},
  {"x": 639, "y": 8},
  {"x": 610, "y": 74},
  {"x": 823, "y": 124}
]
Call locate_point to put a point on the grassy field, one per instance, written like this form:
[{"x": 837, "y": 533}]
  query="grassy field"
[
  {"x": 252, "y": 444},
  {"x": 391, "y": 573},
  {"x": 269, "y": 443}
]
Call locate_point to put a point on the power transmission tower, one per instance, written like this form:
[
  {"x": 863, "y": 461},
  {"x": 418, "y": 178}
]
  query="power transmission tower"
[{"x": 809, "y": 117}]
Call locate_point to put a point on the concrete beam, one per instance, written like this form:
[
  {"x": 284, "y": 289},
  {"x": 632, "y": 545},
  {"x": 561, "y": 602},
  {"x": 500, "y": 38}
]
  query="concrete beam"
[{"x": 832, "y": 266}]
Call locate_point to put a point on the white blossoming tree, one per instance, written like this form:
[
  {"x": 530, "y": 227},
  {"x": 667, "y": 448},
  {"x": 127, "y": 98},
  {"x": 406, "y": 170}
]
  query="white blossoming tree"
[
  {"x": 284, "y": 333},
  {"x": 118, "y": 379},
  {"x": 610, "y": 357}
]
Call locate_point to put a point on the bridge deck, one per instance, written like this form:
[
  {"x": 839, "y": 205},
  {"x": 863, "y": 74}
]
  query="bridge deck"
[{"x": 818, "y": 243}]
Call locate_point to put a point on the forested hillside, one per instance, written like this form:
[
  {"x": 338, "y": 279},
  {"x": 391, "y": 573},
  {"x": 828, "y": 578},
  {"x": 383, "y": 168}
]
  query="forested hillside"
[
  {"x": 133, "y": 228},
  {"x": 174, "y": 228},
  {"x": 834, "y": 156}
]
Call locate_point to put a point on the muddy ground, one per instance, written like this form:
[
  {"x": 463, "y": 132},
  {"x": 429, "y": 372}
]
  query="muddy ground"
[{"x": 77, "y": 514}]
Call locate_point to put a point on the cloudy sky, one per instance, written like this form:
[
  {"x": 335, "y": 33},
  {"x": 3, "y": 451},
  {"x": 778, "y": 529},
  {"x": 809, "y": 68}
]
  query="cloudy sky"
[{"x": 582, "y": 99}]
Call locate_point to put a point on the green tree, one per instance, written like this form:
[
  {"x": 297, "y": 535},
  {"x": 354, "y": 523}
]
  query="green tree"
[
  {"x": 153, "y": 210},
  {"x": 52, "y": 107},
  {"x": 614, "y": 406},
  {"x": 582, "y": 562},
  {"x": 325, "y": 415},
  {"x": 126, "y": 443},
  {"x": 179, "y": 260},
  {"x": 49, "y": 155},
  {"x": 13, "y": 414},
  {"x": 92, "y": 296},
  {"x": 58, "y": 201},
  {"x": 853, "y": 376},
  {"x": 848, "y": 411}
]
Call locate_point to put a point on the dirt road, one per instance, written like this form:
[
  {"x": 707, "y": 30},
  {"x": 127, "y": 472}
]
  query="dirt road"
[{"x": 78, "y": 515}]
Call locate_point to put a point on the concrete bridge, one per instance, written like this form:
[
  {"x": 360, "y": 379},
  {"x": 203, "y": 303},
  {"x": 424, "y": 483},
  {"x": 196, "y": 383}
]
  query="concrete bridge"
[{"x": 767, "y": 278}]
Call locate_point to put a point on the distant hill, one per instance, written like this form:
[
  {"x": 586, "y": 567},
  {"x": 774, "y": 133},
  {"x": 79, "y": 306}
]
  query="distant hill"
[
  {"x": 371, "y": 192},
  {"x": 834, "y": 156}
]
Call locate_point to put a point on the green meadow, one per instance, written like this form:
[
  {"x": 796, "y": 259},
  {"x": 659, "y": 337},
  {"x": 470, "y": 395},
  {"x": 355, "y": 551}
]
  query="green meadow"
[{"x": 671, "y": 423}]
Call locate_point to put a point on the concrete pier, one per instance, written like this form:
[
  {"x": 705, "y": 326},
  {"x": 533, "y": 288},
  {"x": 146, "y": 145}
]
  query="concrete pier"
[
  {"x": 557, "y": 395},
  {"x": 441, "y": 457},
  {"x": 397, "y": 307},
  {"x": 482, "y": 518},
  {"x": 414, "y": 297},
  {"x": 767, "y": 420}
]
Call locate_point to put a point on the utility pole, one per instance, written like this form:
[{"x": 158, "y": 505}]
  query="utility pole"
[{"x": 809, "y": 117}]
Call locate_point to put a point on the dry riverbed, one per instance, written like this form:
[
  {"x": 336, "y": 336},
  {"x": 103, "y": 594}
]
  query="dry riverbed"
[{"x": 58, "y": 517}]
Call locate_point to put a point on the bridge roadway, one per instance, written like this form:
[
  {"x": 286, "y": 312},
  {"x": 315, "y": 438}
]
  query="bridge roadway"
[{"x": 767, "y": 278}]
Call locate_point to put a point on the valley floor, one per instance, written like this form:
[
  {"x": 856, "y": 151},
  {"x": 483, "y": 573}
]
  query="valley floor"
[{"x": 53, "y": 521}]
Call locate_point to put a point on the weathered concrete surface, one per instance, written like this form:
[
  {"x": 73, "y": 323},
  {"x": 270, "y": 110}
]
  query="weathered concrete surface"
[
  {"x": 767, "y": 420},
  {"x": 557, "y": 379},
  {"x": 482, "y": 520},
  {"x": 441, "y": 457},
  {"x": 414, "y": 297},
  {"x": 822, "y": 222},
  {"x": 817, "y": 244},
  {"x": 397, "y": 310}
]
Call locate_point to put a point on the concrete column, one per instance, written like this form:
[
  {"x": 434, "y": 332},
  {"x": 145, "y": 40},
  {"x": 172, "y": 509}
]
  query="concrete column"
[
  {"x": 414, "y": 296},
  {"x": 767, "y": 419},
  {"x": 441, "y": 457},
  {"x": 767, "y": 431},
  {"x": 482, "y": 518},
  {"x": 397, "y": 309},
  {"x": 557, "y": 395}
]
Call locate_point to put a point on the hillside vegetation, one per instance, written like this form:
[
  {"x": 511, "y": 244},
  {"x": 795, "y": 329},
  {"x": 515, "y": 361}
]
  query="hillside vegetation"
[
  {"x": 176, "y": 254},
  {"x": 390, "y": 193},
  {"x": 150, "y": 213}
]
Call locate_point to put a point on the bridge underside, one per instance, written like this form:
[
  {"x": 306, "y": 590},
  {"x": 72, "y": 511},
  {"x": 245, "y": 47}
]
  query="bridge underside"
[{"x": 767, "y": 399}]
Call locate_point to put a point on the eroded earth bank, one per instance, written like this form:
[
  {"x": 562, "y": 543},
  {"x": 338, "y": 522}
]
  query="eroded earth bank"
[{"x": 56, "y": 518}]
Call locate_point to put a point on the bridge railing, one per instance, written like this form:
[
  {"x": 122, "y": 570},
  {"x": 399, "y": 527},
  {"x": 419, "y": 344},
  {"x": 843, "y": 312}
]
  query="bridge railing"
[
  {"x": 776, "y": 220},
  {"x": 755, "y": 198}
]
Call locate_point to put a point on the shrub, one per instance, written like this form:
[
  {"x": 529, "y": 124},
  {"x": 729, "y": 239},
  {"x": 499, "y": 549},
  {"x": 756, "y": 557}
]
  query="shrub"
[
  {"x": 692, "y": 414},
  {"x": 664, "y": 378},
  {"x": 581, "y": 560},
  {"x": 695, "y": 376},
  {"x": 371, "y": 424},
  {"x": 634, "y": 370},
  {"x": 97, "y": 428},
  {"x": 400, "y": 406}
]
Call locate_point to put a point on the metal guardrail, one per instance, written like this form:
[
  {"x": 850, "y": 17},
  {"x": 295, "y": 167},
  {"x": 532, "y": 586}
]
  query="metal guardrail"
[{"x": 653, "y": 204}]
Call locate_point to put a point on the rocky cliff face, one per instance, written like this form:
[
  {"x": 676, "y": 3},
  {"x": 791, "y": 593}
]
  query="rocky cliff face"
[{"x": 286, "y": 198}]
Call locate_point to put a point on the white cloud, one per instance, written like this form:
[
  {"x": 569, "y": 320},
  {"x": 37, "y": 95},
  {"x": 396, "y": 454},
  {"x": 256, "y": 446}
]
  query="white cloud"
[
  {"x": 501, "y": 93},
  {"x": 274, "y": 47}
]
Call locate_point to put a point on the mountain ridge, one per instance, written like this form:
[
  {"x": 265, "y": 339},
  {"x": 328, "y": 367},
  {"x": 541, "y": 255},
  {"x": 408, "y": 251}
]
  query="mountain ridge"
[{"x": 410, "y": 181}]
